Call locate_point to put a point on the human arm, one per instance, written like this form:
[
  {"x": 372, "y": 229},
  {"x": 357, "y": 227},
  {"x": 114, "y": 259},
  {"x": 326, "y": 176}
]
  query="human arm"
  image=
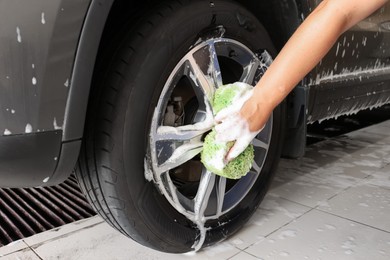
[{"x": 307, "y": 46}]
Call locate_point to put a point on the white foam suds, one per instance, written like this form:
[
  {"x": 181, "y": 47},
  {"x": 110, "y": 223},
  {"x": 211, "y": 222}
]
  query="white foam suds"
[
  {"x": 217, "y": 161},
  {"x": 287, "y": 233},
  {"x": 364, "y": 41},
  {"x": 216, "y": 250},
  {"x": 194, "y": 79},
  {"x": 28, "y": 129},
  {"x": 43, "y": 20},
  {"x": 18, "y": 34},
  {"x": 352, "y": 73},
  {"x": 337, "y": 49},
  {"x": 178, "y": 153},
  {"x": 369, "y": 163},
  {"x": 148, "y": 173},
  {"x": 190, "y": 254},
  {"x": 66, "y": 84},
  {"x": 55, "y": 125},
  {"x": 237, "y": 241},
  {"x": 284, "y": 254},
  {"x": 330, "y": 227}
]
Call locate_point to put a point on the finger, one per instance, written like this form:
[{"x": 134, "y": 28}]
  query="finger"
[
  {"x": 229, "y": 130},
  {"x": 225, "y": 125},
  {"x": 226, "y": 112},
  {"x": 224, "y": 137},
  {"x": 223, "y": 114},
  {"x": 238, "y": 147}
]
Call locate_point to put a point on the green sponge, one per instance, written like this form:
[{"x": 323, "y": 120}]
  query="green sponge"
[{"x": 214, "y": 152}]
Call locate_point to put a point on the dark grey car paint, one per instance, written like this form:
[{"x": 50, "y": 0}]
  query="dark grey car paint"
[
  {"x": 356, "y": 72},
  {"x": 47, "y": 55},
  {"x": 37, "y": 47},
  {"x": 38, "y": 43}
]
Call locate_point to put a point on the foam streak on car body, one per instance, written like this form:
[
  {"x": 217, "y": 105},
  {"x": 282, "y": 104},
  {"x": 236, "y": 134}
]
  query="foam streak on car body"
[{"x": 347, "y": 74}]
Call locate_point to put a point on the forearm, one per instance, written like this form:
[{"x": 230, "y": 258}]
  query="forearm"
[
  {"x": 295, "y": 60},
  {"x": 308, "y": 46}
]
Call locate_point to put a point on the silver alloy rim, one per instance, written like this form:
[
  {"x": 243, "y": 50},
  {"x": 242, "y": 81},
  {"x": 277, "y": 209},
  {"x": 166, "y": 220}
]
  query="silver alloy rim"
[{"x": 171, "y": 147}]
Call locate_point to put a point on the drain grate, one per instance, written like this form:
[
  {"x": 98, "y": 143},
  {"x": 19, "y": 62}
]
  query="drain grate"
[{"x": 25, "y": 212}]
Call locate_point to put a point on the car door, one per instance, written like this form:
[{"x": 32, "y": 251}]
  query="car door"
[{"x": 355, "y": 74}]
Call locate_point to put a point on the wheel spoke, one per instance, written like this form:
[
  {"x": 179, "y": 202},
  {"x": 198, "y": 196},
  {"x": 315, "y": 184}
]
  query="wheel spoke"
[
  {"x": 256, "y": 167},
  {"x": 204, "y": 71},
  {"x": 172, "y": 191},
  {"x": 258, "y": 143},
  {"x": 181, "y": 155},
  {"x": 182, "y": 133},
  {"x": 250, "y": 72},
  {"x": 214, "y": 68},
  {"x": 202, "y": 83},
  {"x": 220, "y": 188},
  {"x": 202, "y": 197}
]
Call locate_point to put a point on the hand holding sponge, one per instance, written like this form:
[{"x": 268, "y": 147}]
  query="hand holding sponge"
[{"x": 227, "y": 102}]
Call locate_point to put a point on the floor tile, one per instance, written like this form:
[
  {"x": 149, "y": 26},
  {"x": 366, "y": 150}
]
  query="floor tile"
[
  {"x": 366, "y": 204},
  {"x": 367, "y": 137},
  {"x": 318, "y": 235},
  {"x": 63, "y": 230},
  {"x": 105, "y": 242},
  {"x": 243, "y": 256},
  {"x": 25, "y": 254},
  {"x": 381, "y": 129},
  {"x": 350, "y": 152},
  {"x": 310, "y": 188},
  {"x": 380, "y": 178},
  {"x": 12, "y": 247},
  {"x": 273, "y": 213},
  {"x": 328, "y": 168},
  {"x": 385, "y": 123}
]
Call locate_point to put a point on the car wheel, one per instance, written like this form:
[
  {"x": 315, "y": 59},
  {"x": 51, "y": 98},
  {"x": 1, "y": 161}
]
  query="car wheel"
[{"x": 139, "y": 165}]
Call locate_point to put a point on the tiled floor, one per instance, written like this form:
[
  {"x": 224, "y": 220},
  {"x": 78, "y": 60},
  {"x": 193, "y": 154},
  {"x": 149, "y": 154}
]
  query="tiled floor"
[{"x": 332, "y": 204}]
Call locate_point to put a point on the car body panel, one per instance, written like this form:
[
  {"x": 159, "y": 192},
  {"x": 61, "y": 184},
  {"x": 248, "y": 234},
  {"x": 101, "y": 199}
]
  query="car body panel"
[
  {"x": 38, "y": 43},
  {"x": 29, "y": 160},
  {"x": 37, "y": 48},
  {"x": 355, "y": 74}
]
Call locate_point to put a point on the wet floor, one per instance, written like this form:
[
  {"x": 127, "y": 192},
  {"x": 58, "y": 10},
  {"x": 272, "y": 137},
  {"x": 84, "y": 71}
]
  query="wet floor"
[{"x": 332, "y": 204}]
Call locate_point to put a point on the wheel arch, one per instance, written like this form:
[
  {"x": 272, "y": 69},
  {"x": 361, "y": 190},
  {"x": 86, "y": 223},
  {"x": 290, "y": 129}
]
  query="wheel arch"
[{"x": 83, "y": 67}]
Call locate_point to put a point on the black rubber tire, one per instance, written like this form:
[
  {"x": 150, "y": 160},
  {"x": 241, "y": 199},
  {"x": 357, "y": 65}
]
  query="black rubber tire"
[{"x": 126, "y": 91}]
